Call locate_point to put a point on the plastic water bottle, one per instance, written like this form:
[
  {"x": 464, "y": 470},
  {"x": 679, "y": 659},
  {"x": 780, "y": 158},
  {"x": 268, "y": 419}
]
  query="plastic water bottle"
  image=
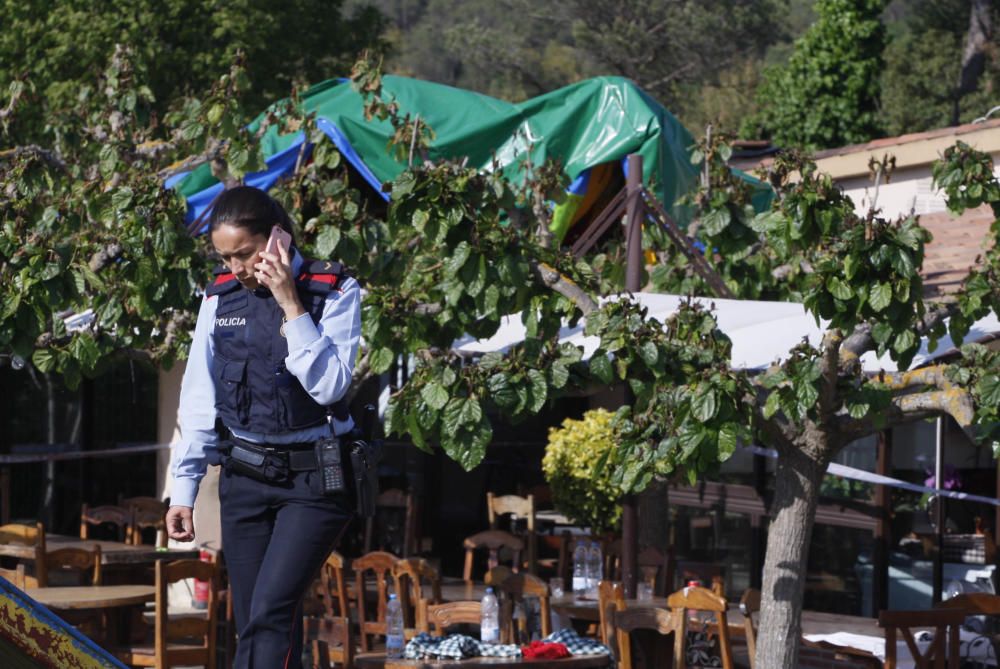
[
  {"x": 394, "y": 628},
  {"x": 489, "y": 621},
  {"x": 596, "y": 570},
  {"x": 580, "y": 577}
]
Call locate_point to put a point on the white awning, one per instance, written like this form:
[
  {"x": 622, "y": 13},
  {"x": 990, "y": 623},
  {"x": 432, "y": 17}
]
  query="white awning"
[{"x": 762, "y": 332}]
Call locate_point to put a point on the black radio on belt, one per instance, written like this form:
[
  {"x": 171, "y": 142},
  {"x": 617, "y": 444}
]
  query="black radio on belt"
[{"x": 328, "y": 464}]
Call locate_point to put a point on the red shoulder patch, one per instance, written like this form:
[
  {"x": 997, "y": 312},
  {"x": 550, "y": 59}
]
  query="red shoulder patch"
[
  {"x": 320, "y": 278},
  {"x": 224, "y": 278}
]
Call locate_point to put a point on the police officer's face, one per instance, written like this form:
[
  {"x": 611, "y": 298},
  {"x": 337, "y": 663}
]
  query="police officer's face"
[{"x": 239, "y": 249}]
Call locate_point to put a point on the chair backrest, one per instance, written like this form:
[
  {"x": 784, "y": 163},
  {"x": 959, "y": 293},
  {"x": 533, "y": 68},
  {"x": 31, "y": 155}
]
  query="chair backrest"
[
  {"x": 147, "y": 513},
  {"x": 707, "y": 573},
  {"x": 81, "y": 564},
  {"x": 696, "y": 599},
  {"x": 377, "y": 564},
  {"x": 749, "y": 607},
  {"x": 662, "y": 621},
  {"x": 497, "y": 575},
  {"x": 16, "y": 577},
  {"x": 117, "y": 516},
  {"x": 416, "y": 579},
  {"x": 25, "y": 535},
  {"x": 520, "y": 507},
  {"x": 333, "y": 589},
  {"x": 439, "y": 617},
  {"x": 652, "y": 563},
  {"x": 973, "y": 603},
  {"x": 515, "y": 590},
  {"x": 198, "y": 633},
  {"x": 28, "y": 535},
  {"x": 943, "y": 650},
  {"x": 492, "y": 541},
  {"x": 331, "y": 641},
  {"x": 388, "y": 503},
  {"x": 610, "y": 598}
]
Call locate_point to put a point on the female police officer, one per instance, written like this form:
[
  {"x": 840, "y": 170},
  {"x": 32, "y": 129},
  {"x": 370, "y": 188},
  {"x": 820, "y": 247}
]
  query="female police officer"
[{"x": 273, "y": 351}]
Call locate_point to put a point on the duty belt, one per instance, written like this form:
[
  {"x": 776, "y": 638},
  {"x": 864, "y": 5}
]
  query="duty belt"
[{"x": 299, "y": 457}]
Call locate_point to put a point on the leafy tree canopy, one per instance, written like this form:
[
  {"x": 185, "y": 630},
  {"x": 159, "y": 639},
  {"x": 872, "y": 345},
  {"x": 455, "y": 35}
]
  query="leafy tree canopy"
[
  {"x": 179, "y": 46},
  {"x": 826, "y": 95}
]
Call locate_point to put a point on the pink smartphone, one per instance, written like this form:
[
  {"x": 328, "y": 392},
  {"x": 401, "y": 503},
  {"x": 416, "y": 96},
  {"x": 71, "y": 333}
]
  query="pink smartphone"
[{"x": 278, "y": 236}]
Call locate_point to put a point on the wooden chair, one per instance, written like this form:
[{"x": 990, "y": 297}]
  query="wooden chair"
[
  {"x": 379, "y": 564},
  {"x": 116, "y": 516},
  {"x": 610, "y": 598},
  {"x": 399, "y": 503},
  {"x": 626, "y": 621},
  {"x": 416, "y": 580},
  {"x": 703, "y": 572},
  {"x": 977, "y": 604},
  {"x": 439, "y": 617},
  {"x": 749, "y": 607},
  {"x": 147, "y": 513},
  {"x": 654, "y": 566},
  {"x": 332, "y": 588},
  {"x": 946, "y": 623},
  {"x": 498, "y": 506},
  {"x": 515, "y": 590},
  {"x": 178, "y": 640},
  {"x": 16, "y": 576},
  {"x": 705, "y": 600},
  {"x": 80, "y": 565},
  {"x": 497, "y": 575},
  {"x": 493, "y": 541},
  {"x": 27, "y": 535},
  {"x": 331, "y": 641}
]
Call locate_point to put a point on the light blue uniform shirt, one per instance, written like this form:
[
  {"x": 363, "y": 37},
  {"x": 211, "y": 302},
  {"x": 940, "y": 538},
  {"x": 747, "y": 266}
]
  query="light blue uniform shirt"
[{"x": 321, "y": 356}]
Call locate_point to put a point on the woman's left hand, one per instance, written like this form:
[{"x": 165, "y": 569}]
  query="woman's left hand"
[{"x": 274, "y": 272}]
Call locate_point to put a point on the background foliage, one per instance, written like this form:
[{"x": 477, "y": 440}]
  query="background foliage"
[{"x": 582, "y": 487}]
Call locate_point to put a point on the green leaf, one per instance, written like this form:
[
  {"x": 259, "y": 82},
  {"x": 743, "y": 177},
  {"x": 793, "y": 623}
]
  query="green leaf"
[
  {"x": 989, "y": 390},
  {"x": 650, "y": 354},
  {"x": 381, "y": 359},
  {"x": 880, "y": 296},
  {"x": 326, "y": 241},
  {"x": 772, "y": 404},
  {"x": 600, "y": 367},
  {"x": 458, "y": 258},
  {"x": 122, "y": 198},
  {"x": 501, "y": 391},
  {"x": 704, "y": 404},
  {"x": 559, "y": 375},
  {"x": 728, "y": 440},
  {"x": 840, "y": 290},
  {"x": 539, "y": 390},
  {"x": 435, "y": 395},
  {"x": 43, "y": 359}
]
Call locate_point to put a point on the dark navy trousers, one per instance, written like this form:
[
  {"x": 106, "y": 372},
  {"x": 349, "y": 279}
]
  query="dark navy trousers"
[{"x": 274, "y": 538}]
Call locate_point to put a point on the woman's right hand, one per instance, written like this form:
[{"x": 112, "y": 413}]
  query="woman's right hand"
[{"x": 180, "y": 523}]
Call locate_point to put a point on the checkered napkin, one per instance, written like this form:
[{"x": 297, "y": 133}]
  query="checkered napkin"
[
  {"x": 576, "y": 644},
  {"x": 454, "y": 647}
]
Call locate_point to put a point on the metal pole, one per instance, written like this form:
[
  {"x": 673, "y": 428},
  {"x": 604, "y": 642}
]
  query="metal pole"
[
  {"x": 883, "y": 528},
  {"x": 633, "y": 283},
  {"x": 938, "y": 511}
]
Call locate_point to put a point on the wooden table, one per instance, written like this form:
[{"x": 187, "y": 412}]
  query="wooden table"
[
  {"x": 92, "y": 596},
  {"x": 457, "y": 590},
  {"x": 112, "y": 552},
  {"x": 379, "y": 661},
  {"x": 118, "y": 600}
]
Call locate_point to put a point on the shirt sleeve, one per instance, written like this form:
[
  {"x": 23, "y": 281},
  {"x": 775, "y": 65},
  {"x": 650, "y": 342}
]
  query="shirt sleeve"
[
  {"x": 321, "y": 356},
  {"x": 196, "y": 412}
]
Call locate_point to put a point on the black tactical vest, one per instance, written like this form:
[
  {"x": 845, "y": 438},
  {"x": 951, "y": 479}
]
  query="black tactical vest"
[{"x": 253, "y": 389}]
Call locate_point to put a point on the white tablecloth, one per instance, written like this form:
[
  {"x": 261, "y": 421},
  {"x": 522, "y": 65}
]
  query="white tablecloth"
[{"x": 973, "y": 646}]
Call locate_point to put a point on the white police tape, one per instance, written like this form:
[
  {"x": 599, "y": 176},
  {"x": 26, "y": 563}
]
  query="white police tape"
[{"x": 854, "y": 474}]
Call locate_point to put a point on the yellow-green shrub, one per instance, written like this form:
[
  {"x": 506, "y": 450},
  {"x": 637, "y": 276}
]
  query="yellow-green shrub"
[{"x": 572, "y": 464}]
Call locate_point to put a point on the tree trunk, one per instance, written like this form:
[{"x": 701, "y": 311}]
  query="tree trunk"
[
  {"x": 977, "y": 40},
  {"x": 793, "y": 511}
]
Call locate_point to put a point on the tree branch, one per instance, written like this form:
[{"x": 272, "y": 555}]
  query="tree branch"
[
  {"x": 954, "y": 402},
  {"x": 830, "y": 369},
  {"x": 564, "y": 286},
  {"x": 44, "y": 155},
  {"x": 861, "y": 341}
]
